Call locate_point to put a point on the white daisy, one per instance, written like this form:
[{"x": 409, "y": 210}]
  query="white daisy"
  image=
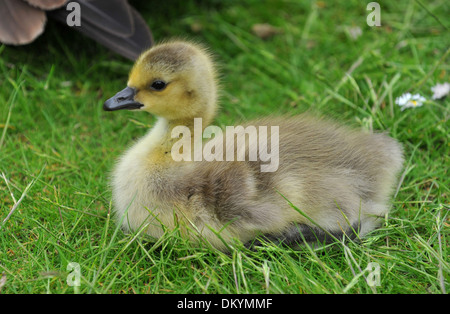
[
  {"x": 410, "y": 101},
  {"x": 354, "y": 32},
  {"x": 440, "y": 90}
]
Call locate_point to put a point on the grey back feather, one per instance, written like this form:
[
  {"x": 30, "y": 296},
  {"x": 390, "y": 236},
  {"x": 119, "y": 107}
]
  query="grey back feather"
[{"x": 112, "y": 23}]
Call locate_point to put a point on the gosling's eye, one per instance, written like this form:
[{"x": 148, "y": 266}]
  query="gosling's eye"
[{"x": 158, "y": 85}]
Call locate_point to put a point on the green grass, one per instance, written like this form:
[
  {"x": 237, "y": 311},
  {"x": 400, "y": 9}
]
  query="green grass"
[{"x": 57, "y": 148}]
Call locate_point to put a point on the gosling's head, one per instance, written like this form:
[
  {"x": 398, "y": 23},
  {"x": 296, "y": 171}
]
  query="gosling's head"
[{"x": 174, "y": 80}]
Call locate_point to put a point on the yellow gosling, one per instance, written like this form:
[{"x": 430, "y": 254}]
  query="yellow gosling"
[{"x": 339, "y": 179}]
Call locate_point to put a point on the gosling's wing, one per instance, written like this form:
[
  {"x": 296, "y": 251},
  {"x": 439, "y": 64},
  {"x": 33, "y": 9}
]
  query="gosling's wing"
[
  {"x": 20, "y": 23},
  {"x": 112, "y": 23}
]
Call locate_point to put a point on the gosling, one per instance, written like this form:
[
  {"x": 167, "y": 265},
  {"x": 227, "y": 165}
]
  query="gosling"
[{"x": 331, "y": 182}]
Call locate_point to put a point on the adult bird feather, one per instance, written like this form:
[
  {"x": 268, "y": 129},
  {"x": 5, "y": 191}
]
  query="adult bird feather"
[{"x": 112, "y": 23}]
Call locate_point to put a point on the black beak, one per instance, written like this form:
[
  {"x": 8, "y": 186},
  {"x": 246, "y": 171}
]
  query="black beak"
[{"x": 122, "y": 100}]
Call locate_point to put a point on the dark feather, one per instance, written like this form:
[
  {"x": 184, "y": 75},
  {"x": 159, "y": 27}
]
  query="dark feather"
[
  {"x": 111, "y": 16},
  {"x": 112, "y": 23},
  {"x": 297, "y": 234}
]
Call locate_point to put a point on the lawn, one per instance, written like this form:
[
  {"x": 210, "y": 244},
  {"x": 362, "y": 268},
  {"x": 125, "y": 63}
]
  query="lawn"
[{"x": 57, "y": 148}]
